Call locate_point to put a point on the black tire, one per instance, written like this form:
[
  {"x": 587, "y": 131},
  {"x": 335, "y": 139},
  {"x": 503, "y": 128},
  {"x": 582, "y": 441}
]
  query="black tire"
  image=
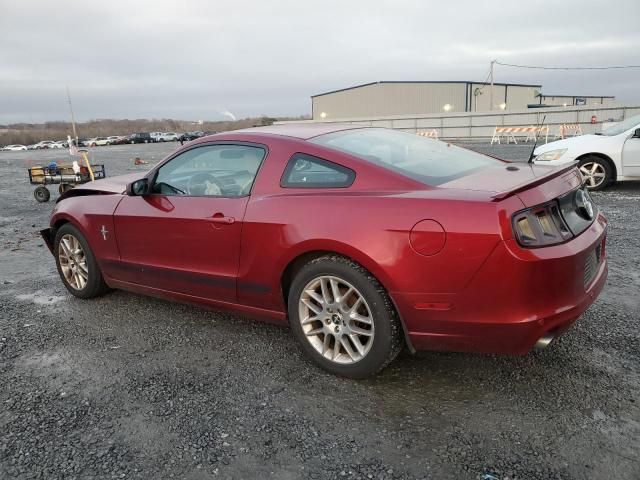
[
  {"x": 388, "y": 340},
  {"x": 64, "y": 187},
  {"x": 602, "y": 164},
  {"x": 95, "y": 285},
  {"x": 41, "y": 194}
]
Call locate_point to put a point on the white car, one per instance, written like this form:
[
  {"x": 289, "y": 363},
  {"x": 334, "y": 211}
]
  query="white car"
[
  {"x": 59, "y": 144},
  {"x": 167, "y": 137},
  {"x": 155, "y": 136},
  {"x": 606, "y": 157},
  {"x": 43, "y": 144},
  {"x": 14, "y": 148},
  {"x": 96, "y": 142}
]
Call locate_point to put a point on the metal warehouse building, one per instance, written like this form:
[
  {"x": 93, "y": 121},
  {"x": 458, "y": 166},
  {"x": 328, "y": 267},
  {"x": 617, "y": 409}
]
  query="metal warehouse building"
[
  {"x": 402, "y": 98},
  {"x": 380, "y": 99}
]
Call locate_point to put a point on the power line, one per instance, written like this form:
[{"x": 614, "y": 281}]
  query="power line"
[{"x": 615, "y": 67}]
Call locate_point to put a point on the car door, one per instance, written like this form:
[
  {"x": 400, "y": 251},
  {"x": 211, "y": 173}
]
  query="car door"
[
  {"x": 631, "y": 155},
  {"x": 184, "y": 235}
]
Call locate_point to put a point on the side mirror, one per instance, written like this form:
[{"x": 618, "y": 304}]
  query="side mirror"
[{"x": 138, "y": 188}]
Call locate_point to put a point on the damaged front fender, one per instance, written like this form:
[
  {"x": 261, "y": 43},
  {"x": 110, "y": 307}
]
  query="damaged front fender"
[{"x": 47, "y": 235}]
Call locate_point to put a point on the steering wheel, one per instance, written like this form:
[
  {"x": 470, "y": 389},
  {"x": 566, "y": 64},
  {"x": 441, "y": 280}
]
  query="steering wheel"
[{"x": 204, "y": 184}]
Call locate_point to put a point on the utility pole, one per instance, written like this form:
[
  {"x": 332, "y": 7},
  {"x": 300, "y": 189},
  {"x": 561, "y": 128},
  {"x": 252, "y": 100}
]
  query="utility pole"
[
  {"x": 73, "y": 120},
  {"x": 491, "y": 91}
]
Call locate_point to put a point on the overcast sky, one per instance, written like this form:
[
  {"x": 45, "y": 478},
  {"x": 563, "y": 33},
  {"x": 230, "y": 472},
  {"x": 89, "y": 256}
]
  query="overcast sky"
[{"x": 198, "y": 59}]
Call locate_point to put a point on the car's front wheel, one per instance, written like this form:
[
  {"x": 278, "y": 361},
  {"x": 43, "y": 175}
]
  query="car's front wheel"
[
  {"x": 343, "y": 318},
  {"x": 76, "y": 263},
  {"x": 596, "y": 172}
]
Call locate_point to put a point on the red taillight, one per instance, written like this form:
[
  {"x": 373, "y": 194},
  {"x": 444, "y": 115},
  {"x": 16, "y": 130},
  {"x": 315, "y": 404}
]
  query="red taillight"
[{"x": 540, "y": 226}]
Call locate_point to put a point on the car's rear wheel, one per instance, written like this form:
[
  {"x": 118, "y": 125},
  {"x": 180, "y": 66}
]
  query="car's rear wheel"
[
  {"x": 596, "y": 172},
  {"x": 343, "y": 318},
  {"x": 76, "y": 263}
]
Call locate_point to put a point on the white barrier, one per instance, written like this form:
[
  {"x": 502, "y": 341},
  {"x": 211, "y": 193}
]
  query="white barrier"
[
  {"x": 428, "y": 133},
  {"x": 532, "y": 135},
  {"x": 508, "y": 132},
  {"x": 565, "y": 129}
]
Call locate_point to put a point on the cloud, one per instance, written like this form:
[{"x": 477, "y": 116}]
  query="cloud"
[{"x": 184, "y": 59}]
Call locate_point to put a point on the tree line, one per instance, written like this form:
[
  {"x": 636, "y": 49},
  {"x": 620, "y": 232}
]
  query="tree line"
[{"x": 27, "y": 134}]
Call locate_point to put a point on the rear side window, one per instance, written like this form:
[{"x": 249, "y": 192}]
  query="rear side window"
[
  {"x": 306, "y": 171},
  {"x": 423, "y": 159}
]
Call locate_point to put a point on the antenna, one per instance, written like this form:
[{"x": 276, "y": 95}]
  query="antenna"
[
  {"x": 535, "y": 144},
  {"x": 73, "y": 121},
  {"x": 491, "y": 91}
]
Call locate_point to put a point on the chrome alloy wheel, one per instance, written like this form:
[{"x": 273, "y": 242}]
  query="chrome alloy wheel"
[
  {"x": 593, "y": 173},
  {"x": 73, "y": 262},
  {"x": 336, "y": 319}
]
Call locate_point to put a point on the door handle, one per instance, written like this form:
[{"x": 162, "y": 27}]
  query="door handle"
[{"x": 220, "y": 219}]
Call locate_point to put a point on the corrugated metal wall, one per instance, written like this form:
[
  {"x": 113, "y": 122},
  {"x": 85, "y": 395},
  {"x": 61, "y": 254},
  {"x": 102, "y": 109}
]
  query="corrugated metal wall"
[{"x": 388, "y": 98}]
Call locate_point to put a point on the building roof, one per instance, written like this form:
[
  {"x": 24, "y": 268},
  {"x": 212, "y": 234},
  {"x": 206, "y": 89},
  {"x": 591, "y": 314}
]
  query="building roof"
[
  {"x": 468, "y": 82},
  {"x": 544, "y": 95}
]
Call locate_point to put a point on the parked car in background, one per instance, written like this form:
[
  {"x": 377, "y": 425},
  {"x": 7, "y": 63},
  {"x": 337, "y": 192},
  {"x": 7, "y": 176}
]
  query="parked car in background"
[
  {"x": 112, "y": 140},
  {"x": 188, "y": 136},
  {"x": 60, "y": 144},
  {"x": 121, "y": 140},
  {"x": 603, "y": 158},
  {"x": 14, "y": 148},
  {"x": 168, "y": 137},
  {"x": 420, "y": 242},
  {"x": 97, "y": 142},
  {"x": 44, "y": 144},
  {"x": 155, "y": 136},
  {"x": 142, "y": 137}
]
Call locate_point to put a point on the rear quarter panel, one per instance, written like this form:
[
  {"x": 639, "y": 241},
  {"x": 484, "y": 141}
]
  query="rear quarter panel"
[{"x": 371, "y": 229}]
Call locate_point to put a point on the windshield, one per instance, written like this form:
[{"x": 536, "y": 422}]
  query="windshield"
[
  {"x": 423, "y": 159},
  {"x": 623, "y": 126}
]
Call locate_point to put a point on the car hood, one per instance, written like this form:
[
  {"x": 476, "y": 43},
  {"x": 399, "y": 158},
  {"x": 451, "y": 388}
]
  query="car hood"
[
  {"x": 577, "y": 144},
  {"x": 112, "y": 185}
]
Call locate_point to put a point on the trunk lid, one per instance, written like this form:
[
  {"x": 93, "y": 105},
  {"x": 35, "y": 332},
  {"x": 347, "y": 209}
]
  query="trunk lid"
[{"x": 533, "y": 184}]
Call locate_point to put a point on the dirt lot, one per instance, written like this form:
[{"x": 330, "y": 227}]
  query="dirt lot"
[{"x": 132, "y": 387}]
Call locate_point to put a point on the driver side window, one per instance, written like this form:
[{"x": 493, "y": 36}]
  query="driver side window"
[{"x": 210, "y": 170}]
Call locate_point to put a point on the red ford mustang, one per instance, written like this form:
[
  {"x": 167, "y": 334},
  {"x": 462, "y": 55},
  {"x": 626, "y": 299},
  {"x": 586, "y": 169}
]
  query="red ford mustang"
[{"x": 362, "y": 239}]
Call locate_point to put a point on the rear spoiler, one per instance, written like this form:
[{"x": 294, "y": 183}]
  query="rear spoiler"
[{"x": 538, "y": 181}]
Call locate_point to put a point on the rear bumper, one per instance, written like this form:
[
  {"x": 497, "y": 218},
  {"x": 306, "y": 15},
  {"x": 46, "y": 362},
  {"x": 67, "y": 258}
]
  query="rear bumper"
[{"x": 517, "y": 296}]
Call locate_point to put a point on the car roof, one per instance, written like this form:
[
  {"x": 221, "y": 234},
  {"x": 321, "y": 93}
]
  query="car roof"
[{"x": 303, "y": 131}]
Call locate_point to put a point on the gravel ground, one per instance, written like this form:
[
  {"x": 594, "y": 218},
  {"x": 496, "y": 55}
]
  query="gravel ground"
[{"x": 132, "y": 387}]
